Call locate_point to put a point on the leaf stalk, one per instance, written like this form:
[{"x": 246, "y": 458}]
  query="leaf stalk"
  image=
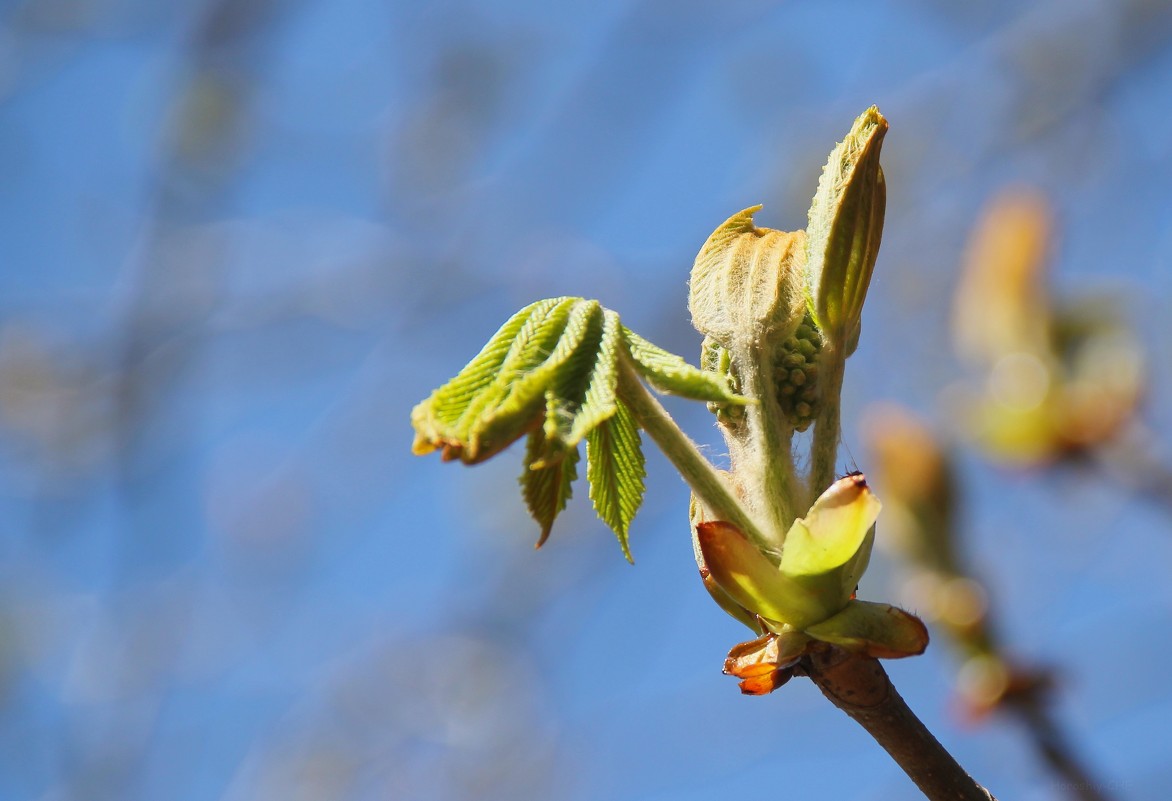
[{"x": 711, "y": 488}]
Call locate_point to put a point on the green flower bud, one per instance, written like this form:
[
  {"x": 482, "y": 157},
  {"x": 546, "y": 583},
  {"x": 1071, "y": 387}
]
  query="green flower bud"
[
  {"x": 846, "y": 226},
  {"x": 795, "y": 375},
  {"x": 716, "y": 359}
]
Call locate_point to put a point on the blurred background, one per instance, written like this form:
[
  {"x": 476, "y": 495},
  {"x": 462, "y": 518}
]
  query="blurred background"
[{"x": 241, "y": 238}]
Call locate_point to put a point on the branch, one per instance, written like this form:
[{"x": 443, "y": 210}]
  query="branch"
[
  {"x": 1134, "y": 459},
  {"x": 860, "y": 687}
]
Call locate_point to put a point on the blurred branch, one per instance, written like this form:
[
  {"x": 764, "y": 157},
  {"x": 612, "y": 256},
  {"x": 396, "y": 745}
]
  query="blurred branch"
[
  {"x": 916, "y": 475},
  {"x": 1136, "y": 460}
]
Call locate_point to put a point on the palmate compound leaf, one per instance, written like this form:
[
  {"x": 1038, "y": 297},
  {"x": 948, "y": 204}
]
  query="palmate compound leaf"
[
  {"x": 552, "y": 372},
  {"x": 575, "y": 347},
  {"x": 615, "y": 470}
]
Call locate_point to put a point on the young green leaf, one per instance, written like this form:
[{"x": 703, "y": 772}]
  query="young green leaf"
[
  {"x": 882, "y": 631},
  {"x": 669, "y": 373},
  {"x": 506, "y": 409},
  {"x": 436, "y": 419},
  {"x": 498, "y": 396},
  {"x": 614, "y": 467},
  {"x": 582, "y": 319},
  {"x": 552, "y": 373},
  {"x": 546, "y": 480},
  {"x": 827, "y": 551},
  {"x": 598, "y": 399},
  {"x": 845, "y": 229},
  {"x": 747, "y": 283}
]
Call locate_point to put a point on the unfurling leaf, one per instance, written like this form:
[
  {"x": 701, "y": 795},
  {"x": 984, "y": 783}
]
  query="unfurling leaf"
[
  {"x": 747, "y": 282},
  {"x": 614, "y": 468},
  {"x": 546, "y": 480},
  {"x": 751, "y": 579},
  {"x": 846, "y": 226},
  {"x": 437, "y": 419},
  {"x": 827, "y": 551},
  {"x": 490, "y": 404},
  {"x": 569, "y": 347},
  {"x": 727, "y": 602},
  {"x": 881, "y": 631},
  {"x": 599, "y": 401},
  {"x": 669, "y": 373},
  {"x": 551, "y": 372},
  {"x": 576, "y": 337}
]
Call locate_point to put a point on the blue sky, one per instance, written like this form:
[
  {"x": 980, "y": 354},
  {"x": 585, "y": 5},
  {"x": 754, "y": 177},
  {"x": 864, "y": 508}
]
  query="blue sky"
[{"x": 242, "y": 239}]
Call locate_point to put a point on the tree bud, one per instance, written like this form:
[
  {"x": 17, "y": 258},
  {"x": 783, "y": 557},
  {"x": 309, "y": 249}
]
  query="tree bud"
[{"x": 846, "y": 226}]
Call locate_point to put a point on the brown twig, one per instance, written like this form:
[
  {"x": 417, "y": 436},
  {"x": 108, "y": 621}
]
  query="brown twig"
[{"x": 860, "y": 687}]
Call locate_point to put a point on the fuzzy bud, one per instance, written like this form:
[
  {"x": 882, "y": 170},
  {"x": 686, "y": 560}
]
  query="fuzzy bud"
[
  {"x": 746, "y": 287},
  {"x": 846, "y": 226}
]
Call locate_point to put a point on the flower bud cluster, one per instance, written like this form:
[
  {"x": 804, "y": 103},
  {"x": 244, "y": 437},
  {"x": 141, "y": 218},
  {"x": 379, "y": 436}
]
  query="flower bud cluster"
[
  {"x": 795, "y": 375},
  {"x": 715, "y": 357}
]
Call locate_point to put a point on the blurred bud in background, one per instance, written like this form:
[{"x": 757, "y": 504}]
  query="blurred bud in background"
[
  {"x": 1002, "y": 305},
  {"x": 917, "y": 485},
  {"x": 913, "y": 471},
  {"x": 1056, "y": 379}
]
